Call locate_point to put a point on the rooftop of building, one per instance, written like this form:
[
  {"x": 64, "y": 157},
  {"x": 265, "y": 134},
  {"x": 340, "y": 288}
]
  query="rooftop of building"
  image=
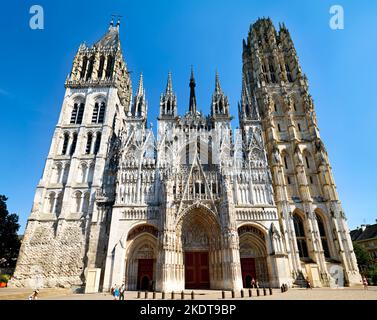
[{"x": 364, "y": 232}]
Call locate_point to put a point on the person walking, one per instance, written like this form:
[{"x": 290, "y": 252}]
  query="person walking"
[
  {"x": 34, "y": 295},
  {"x": 121, "y": 291},
  {"x": 308, "y": 284},
  {"x": 253, "y": 283},
  {"x": 116, "y": 292},
  {"x": 365, "y": 283}
]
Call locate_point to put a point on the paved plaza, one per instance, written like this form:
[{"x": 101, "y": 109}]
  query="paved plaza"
[{"x": 292, "y": 294}]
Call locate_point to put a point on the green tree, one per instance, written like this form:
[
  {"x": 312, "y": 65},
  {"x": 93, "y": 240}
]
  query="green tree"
[
  {"x": 9, "y": 241},
  {"x": 362, "y": 256}
]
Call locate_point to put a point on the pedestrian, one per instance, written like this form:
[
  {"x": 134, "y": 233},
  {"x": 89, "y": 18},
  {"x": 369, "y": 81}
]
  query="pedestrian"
[
  {"x": 365, "y": 283},
  {"x": 121, "y": 291},
  {"x": 34, "y": 295},
  {"x": 116, "y": 292},
  {"x": 253, "y": 283},
  {"x": 308, "y": 284}
]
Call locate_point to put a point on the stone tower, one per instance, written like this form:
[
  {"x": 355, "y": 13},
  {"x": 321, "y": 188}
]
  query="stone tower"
[
  {"x": 312, "y": 219},
  {"x": 198, "y": 206},
  {"x": 68, "y": 226}
]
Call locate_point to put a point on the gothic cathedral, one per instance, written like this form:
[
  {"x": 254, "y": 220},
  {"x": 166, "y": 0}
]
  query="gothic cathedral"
[{"x": 191, "y": 204}]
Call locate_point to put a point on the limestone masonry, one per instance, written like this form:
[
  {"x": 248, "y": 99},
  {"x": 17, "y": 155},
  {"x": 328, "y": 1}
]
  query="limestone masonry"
[{"x": 198, "y": 205}]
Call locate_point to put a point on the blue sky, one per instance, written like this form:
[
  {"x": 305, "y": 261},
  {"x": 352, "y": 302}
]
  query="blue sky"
[{"x": 158, "y": 36}]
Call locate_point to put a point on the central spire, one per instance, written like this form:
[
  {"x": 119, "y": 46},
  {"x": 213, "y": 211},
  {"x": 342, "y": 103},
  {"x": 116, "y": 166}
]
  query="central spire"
[{"x": 192, "y": 105}]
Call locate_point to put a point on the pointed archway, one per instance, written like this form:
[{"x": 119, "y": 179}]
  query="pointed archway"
[
  {"x": 199, "y": 232},
  {"x": 253, "y": 256}
]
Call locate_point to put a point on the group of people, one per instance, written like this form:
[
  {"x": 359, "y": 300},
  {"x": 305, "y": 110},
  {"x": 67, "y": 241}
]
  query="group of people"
[{"x": 118, "y": 292}]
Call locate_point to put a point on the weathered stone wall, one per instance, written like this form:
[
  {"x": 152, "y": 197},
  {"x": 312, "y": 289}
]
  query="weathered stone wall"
[{"x": 51, "y": 260}]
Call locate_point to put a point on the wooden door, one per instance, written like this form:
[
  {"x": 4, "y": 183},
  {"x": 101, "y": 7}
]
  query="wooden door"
[
  {"x": 197, "y": 270},
  {"x": 145, "y": 274},
  {"x": 248, "y": 271}
]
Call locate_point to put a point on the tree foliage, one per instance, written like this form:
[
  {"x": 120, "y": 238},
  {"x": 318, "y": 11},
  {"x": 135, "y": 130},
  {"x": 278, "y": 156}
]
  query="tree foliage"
[
  {"x": 9, "y": 240},
  {"x": 362, "y": 256}
]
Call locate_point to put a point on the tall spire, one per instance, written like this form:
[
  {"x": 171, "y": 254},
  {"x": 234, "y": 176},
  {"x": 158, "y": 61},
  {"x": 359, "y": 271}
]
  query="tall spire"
[
  {"x": 220, "y": 104},
  {"x": 168, "y": 100},
  {"x": 192, "y": 105},
  {"x": 169, "y": 86},
  {"x": 217, "y": 83},
  {"x": 140, "y": 89},
  {"x": 139, "y": 106}
]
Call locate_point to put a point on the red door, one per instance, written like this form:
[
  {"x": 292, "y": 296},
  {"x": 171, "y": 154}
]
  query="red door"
[
  {"x": 196, "y": 270},
  {"x": 145, "y": 274},
  {"x": 248, "y": 271}
]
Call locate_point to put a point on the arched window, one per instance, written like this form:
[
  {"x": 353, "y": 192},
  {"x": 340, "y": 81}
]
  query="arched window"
[
  {"x": 322, "y": 233},
  {"x": 74, "y": 113},
  {"x": 65, "y": 143},
  {"x": 74, "y": 142},
  {"x": 98, "y": 143},
  {"x": 286, "y": 161},
  {"x": 58, "y": 173},
  {"x": 77, "y": 113},
  {"x": 89, "y": 143},
  {"x": 99, "y": 112},
  {"x": 101, "y": 66},
  {"x": 109, "y": 68},
  {"x": 83, "y": 67},
  {"x": 78, "y": 201},
  {"x": 51, "y": 202},
  {"x": 80, "y": 114},
  {"x": 90, "y": 68},
  {"x": 91, "y": 172},
  {"x": 289, "y": 74},
  {"x": 101, "y": 115},
  {"x": 300, "y": 236},
  {"x": 84, "y": 171},
  {"x": 59, "y": 202},
  {"x": 272, "y": 72},
  {"x": 85, "y": 205},
  {"x": 95, "y": 113}
]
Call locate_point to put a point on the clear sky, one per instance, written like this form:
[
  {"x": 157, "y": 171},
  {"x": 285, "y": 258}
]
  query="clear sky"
[{"x": 158, "y": 36}]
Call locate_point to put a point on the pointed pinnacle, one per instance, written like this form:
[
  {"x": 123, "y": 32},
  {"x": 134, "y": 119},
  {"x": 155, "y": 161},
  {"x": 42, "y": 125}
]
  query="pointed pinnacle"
[
  {"x": 192, "y": 78},
  {"x": 217, "y": 83},
  {"x": 169, "y": 86},
  {"x": 140, "y": 89}
]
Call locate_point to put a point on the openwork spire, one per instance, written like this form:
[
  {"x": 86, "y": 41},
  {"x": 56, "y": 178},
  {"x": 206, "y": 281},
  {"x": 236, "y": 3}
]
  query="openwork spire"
[
  {"x": 169, "y": 85},
  {"x": 192, "y": 104},
  {"x": 220, "y": 104},
  {"x": 139, "y": 107},
  {"x": 140, "y": 89},
  {"x": 168, "y": 100},
  {"x": 217, "y": 83}
]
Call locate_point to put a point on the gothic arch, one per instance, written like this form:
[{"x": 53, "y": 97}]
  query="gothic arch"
[
  {"x": 324, "y": 231},
  {"x": 197, "y": 207},
  {"x": 140, "y": 250},
  {"x": 301, "y": 232},
  {"x": 199, "y": 235},
  {"x": 253, "y": 240}
]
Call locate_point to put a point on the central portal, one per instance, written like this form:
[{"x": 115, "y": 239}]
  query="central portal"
[{"x": 197, "y": 270}]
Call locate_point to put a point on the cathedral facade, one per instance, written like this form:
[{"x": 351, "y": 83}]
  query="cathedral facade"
[{"x": 191, "y": 204}]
